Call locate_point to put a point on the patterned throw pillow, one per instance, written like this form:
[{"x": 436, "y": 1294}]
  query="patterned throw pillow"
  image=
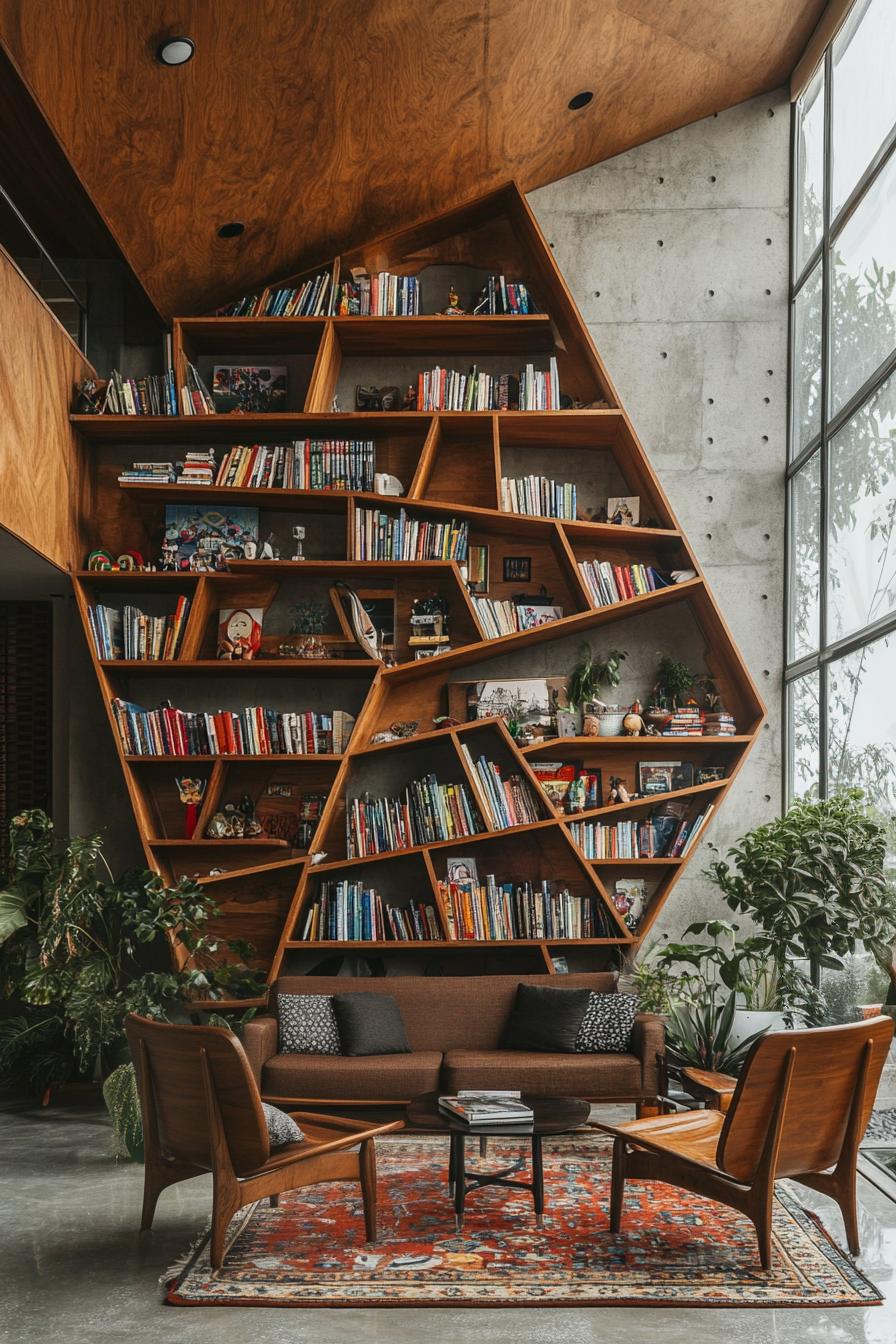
[
  {"x": 308, "y": 1025},
  {"x": 607, "y": 1025},
  {"x": 281, "y": 1127}
]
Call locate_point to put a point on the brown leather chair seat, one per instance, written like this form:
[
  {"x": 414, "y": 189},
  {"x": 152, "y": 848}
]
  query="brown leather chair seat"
[
  {"x": 352, "y": 1078},
  {"x": 550, "y": 1075}
]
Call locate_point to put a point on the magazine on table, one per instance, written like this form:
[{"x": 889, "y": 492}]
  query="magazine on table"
[{"x": 488, "y": 1108}]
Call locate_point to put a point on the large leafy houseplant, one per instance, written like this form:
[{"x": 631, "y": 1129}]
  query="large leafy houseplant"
[
  {"x": 75, "y": 952},
  {"x": 592, "y": 672},
  {"x": 813, "y": 882}
]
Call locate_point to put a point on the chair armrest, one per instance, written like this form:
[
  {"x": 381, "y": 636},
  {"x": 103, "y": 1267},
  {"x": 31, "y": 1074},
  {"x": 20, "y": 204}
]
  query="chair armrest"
[
  {"x": 649, "y": 1044},
  {"x": 259, "y": 1043},
  {"x": 716, "y": 1089}
]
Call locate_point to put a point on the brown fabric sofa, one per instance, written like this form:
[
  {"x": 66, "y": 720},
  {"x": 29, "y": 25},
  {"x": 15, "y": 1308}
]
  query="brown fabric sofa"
[{"x": 454, "y": 1025}]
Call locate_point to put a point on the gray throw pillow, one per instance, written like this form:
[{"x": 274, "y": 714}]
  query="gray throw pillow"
[
  {"x": 281, "y": 1127},
  {"x": 545, "y": 1019},
  {"x": 607, "y": 1025},
  {"x": 370, "y": 1024},
  {"x": 307, "y": 1025}
]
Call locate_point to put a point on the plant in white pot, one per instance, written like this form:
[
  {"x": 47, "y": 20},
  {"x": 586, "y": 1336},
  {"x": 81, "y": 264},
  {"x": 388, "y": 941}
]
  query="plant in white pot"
[
  {"x": 813, "y": 883},
  {"x": 590, "y": 674}
]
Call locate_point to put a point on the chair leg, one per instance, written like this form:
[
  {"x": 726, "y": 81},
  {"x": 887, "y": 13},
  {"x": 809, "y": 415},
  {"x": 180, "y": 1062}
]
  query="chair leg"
[
  {"x": 225, "y": 1203},
  {"x": 762, "y": 1221},
  {"x": 152, "y": 1188},
  {"x": 368, "y": 1187},
  {"x": 845, "y": 1196},
  {"x": 617, "y": 1186}
]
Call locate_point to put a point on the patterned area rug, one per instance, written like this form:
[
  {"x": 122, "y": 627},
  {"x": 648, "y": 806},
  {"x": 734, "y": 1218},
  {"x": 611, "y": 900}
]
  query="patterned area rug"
[{"x": 676, "y": 1249}]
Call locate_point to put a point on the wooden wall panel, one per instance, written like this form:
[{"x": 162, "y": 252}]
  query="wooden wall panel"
[
  {"x": 44, "y": 478},
  {"x": 320, "y": 127}
]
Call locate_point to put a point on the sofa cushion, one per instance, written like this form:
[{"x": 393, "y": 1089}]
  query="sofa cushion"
[
  {"x": 544, "y": 1018},
  {"x": 370, "y": 1024},
  {"x": 591, "y": 1076},
  {"x": 607, "y": 1025},
  {"x": 361, "y": 1078},
  {"x": 280, "y": 1126},
  {"x": 308, "y": 1025}
]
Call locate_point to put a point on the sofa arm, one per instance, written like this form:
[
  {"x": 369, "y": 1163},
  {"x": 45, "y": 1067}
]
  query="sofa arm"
[
  {"x": 259, "y": 1043},
  {"x": 649, "y": 1044}
]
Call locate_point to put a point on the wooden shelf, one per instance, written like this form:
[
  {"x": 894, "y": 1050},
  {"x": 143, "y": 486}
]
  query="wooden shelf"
[{"x": 449, "y": 464}]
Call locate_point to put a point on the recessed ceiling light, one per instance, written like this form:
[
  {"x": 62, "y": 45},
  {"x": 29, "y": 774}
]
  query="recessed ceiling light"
[
  {"x": 581, "y": 100},
  {"x": 231, "y": 230},
  {"x": 175, "y": 51}
]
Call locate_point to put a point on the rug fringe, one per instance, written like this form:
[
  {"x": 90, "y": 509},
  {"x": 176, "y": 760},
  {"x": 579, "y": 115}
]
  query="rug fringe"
[{"x": 170, "y": 1277}]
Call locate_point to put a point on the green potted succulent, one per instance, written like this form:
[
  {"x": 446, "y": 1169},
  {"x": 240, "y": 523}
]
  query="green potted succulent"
[
  {"x": 589, "y": 675},
  {"x": 813, "y": 883}
]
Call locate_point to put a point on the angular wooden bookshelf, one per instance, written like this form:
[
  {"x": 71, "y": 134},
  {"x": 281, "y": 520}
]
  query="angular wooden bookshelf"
[{"x": 450, "y": 465}]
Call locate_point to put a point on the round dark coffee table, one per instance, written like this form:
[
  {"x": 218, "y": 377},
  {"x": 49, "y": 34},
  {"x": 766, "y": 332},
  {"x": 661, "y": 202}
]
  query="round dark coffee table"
[{"x": 552, "y": 1115}]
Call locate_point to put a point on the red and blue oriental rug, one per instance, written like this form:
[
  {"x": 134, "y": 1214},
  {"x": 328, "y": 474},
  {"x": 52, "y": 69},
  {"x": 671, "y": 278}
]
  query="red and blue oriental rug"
[{"x": 675, "y": 1249}]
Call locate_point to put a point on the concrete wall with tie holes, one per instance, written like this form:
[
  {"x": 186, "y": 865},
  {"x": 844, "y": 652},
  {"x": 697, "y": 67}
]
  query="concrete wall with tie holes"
[{"x": 677, "y": 256}]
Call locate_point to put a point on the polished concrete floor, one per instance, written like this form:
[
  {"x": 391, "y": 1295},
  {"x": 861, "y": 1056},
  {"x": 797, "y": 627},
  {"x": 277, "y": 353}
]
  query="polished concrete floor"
[{"x": 74, "y": 1269}]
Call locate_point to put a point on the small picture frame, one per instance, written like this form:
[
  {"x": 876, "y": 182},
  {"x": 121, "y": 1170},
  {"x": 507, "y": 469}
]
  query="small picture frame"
[
  {"x": 567, "y": 723},
  {"x": 517, "y": 569},
  {"x": 711, "y": 774},
  {"x": 477, "y": 569},
  {"x": 462, "y": 870},
  {"x": 624, "y": 510}
]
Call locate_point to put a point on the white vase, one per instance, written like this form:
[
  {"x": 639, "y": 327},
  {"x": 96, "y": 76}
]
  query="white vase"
[
  {"x": 747, "y": 1022},
  {"x": 610, "y": 720}
]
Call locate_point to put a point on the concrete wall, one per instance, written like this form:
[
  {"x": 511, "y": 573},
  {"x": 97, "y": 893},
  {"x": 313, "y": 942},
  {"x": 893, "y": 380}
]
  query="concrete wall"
[{"x": 676, "y": 254}]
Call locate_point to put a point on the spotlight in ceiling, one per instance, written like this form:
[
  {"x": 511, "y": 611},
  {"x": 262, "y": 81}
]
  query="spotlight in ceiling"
[
  {"x": 581, "y": 100},
  {"x": 231, "y": 230},
  {"x": 175, "y": 51}
]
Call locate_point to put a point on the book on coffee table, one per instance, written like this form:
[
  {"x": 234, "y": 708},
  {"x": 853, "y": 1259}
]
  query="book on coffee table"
[{"x": 488, "y": 1108}]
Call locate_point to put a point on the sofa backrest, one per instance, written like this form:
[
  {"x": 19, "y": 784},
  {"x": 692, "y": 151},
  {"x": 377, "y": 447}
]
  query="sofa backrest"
[{"x": 446, "y": 1012}]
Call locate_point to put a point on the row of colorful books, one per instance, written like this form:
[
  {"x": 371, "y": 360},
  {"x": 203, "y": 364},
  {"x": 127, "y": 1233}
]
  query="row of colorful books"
[
  {"x": 538, "y": 495},
  {"x": 197, "y": 468},
  {"x": 382, "y": 294},
  {"x": 195, "y": 398},
  {"x": 507, "y": 802},
  {"x": 428, "y": 812},
  {"x": 349, "y": 912},
  {"x": 306, "y": 464},
  {"x": 503, "y": 617},
  {"x": 686, "y": 721},
  {"x": 155, "y": 394},
  {"x": 498, "y": 912},
  {"x": 254, "y": 731},
  {"x": 401, "y": 536},
  {"x": 660, "y": 837},
  {"x": 501, "y": 296},
  {"x": 148, "y": 473},
  {"x": 134, "y": 635},
  {"x": 608, "y": 583},
  {"x": 441, "y": 389},
  {"x": 379, "y": 295}
]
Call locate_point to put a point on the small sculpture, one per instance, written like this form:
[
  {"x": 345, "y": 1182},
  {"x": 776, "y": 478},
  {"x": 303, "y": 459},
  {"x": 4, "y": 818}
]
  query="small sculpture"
[
  {"x": 218, "y": 827},
  {"x": 454, "y": 309},
  {"x": 298, "y": 536},
  {"x": 91, "y": 396},
  {"x": 410, "y": 399},
  {"x": 446, "y": 721},
  {"x": 633, "y": 724},
  {"x": 618, "y": 792},
  {"x": 317, "y": 856}
]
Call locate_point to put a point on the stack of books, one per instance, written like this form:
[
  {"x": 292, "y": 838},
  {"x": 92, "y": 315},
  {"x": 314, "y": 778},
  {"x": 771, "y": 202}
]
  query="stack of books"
[
  {"x": 686, "y": 721},
  {"x": 254, "y": 731},
  {"x": 195, "y": 398},
  {"x": 494, "y": 913},
  {"x": 609, "y": 583},
  {"x": 133, "y": 635},
  {"x": 309, "y": 299},
  {"x": 352, "y": 913},
  {"x": 538, "y": 495},
  {"x": 197, "y": 468},
  {"x": 148, "y": 473},
  {"x": 379, "y": 295},
  {"x": 488, "y": 1108},
  {"x": 429, "y": 811},
  {"x": 386, "y": 536},
  {"x": 719, "y": 723},
  {"x": 500, "y": 617},
  {"x": 156, "y": 394},
  {"x": 498, "y": 296},
  {"x": 540, "y": 390},
  {"x": 507, "y": 802},
  {"x": 306, "y": 464}
]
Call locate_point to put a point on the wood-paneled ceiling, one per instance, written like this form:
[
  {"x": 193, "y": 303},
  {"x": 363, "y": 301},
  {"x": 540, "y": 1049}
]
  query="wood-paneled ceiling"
[{"x": 322, "y": 123}]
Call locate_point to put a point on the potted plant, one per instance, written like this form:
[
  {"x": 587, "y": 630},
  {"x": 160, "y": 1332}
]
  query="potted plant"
[
  {"x": 589, "y": 675},
  {"x": 813, "y": 882}
]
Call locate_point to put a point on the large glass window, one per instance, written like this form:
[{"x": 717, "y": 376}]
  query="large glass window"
[{"x": 840, "y": 702}]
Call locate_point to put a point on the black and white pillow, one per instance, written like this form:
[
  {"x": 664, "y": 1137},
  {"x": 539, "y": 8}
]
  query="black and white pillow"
[
  {"x": 607, "y": 1025},
  {"x": 281, "y": 1127},
  {"x": 308, "y": 1025}
]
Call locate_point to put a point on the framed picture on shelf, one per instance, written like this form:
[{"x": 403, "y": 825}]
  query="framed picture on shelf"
[
  {"x": 533, "y": 614},
  {"x": 239, "y": 633},
  {"x": 249, "y": 388},
  {"x": 664, "y": 776},
  {"x": 462, "y": 870},
  {"x": 711, "y": 774},
  {"x": 201, "y": 538},
  {"x": 477, "y": 569},
  {"x": 517, "y": 569},
  {"x": 567, "y": 723},
  {"x": 624, "y": 510}
]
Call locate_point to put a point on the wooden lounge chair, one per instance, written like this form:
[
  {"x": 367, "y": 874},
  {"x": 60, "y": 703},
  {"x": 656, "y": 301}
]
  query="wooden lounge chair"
[
  {"x": 202, "y": 1113},
  {"x": 799, "y": 1109}
]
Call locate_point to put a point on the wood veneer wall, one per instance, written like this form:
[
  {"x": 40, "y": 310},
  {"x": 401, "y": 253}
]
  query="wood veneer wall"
[{"x": 44, "y": 477}]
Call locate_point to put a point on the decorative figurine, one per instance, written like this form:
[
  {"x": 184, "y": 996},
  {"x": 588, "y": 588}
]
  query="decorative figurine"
[
  {"x": 91, "y": 396},
  {"x": 251, "y": 825},
  {"x": 410, "y": 399},
  {"x": 454, "y": 309},
  {"x": 298, "y": 536},
  {"x": 618, "y": 792},
  {"x": 190, "y": 792},
  {"x": 633, "y": 724},
  {"x": 168, "y": 563},
  {"x": 218, "y": 827}
]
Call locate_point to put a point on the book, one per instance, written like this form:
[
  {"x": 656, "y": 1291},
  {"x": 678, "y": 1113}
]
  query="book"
[
  {"x": 500, "y": 296},
  {"x": 304, "y": 464},
  {"x": 500, "y": 912},
  {"x": 350, "y": 912},
  {"x": 608, "y": 583},
  {"x": 381, "y": 294},
  {"x": 253, "y": 731},
  {"x": 427, "y": 812},
  {"x": 133, "y": 635},
  {"x": 195, "y": 396},
  {"x": 309, "y": 298},
  {"x": 404, "y": 536},
  {"x": 488, "y": 1108},
  {"x": 250, "y": 388},
  {"x": 538, "y": 495},
  {"x": 506, "y": 802},
  {"x": 153, "y": 394}
]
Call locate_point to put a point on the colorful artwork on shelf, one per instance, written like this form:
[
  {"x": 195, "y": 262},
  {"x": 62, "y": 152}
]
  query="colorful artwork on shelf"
[
  {"x": 202, "y": 537},
  {"x": 239, "y": 633},
  {"x": 249, "y": 388},
  {"x": 624, "y": 510}
]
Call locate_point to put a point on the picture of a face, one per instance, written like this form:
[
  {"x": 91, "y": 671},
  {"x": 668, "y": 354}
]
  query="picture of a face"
[{"x": 239, "y": 626}]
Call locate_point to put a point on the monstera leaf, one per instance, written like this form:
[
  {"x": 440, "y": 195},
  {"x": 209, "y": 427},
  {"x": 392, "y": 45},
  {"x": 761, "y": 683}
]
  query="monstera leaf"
[{"x": 14, "y": 901}]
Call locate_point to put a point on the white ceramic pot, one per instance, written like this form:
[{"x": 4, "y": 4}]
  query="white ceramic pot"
[
  {"x": 747, "y": 1022},
  {"x": 610, "y": 720}
]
